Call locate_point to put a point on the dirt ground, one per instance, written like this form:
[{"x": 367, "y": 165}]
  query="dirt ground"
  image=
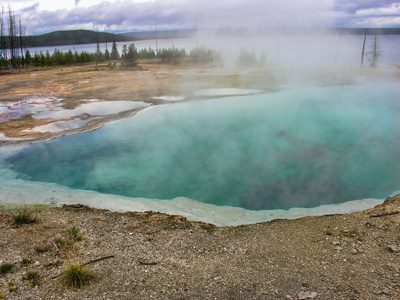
[{"x": 153, "y": 255}]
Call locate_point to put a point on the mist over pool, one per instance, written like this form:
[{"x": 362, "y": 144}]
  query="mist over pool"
[{"x": 297, "y": 147}]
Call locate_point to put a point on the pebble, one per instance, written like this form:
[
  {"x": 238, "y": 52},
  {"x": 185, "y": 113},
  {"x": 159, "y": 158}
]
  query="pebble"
[
  {"x": 307, "y": 295},
  {"x": 354, "y": 251},
  {"x": 37, "y": 263}
]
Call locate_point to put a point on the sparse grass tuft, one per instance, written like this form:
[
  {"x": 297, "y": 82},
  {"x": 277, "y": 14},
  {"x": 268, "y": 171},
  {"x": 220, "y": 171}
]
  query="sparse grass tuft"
[
  {"x": 328, "y": 229},
  {"x": 4, "y": 268},
  {"x": 59, "y": 242},
  {"x": 77, "y": 275},
  {"x": 41, "y": 248},
  {"x": 25, "y": 261},
  {"x": 73, "y": 231},
  {"x": 32, "y": 277},
  {"x": 22, "y": 215}
]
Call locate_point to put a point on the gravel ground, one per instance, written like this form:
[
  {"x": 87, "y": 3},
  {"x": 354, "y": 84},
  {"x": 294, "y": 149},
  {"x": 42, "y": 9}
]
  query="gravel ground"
[{"x": 153, "y": 255}]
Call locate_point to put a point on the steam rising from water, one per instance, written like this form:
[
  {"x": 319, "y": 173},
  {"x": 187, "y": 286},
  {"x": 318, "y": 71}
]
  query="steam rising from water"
[{"x": 299, "y": 147}]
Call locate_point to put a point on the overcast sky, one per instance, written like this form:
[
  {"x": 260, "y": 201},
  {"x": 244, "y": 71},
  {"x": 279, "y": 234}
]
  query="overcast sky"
[{"x": 41, "y": 16}]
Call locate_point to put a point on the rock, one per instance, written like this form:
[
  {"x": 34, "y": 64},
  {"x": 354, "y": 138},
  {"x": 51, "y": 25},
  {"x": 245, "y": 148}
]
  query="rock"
[
  {"x": 36, "y": 263},
  {"x": 393, "y": 248},
  {"x": 353, "y": 251},
  {"x": 307, "y": 295},
  {"x": 337, "y": 248}
]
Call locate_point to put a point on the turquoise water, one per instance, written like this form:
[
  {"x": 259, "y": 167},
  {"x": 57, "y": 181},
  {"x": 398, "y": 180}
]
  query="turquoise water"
[{"x": 299, "y": 147}]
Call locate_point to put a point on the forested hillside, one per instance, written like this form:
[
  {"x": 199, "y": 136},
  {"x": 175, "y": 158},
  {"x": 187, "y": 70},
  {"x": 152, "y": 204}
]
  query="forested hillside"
[{"x": 74, "y": 37}]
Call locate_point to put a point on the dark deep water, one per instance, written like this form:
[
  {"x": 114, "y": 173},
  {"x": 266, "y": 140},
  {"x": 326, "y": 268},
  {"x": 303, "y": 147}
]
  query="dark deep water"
[{"x": 299, "y": 147}]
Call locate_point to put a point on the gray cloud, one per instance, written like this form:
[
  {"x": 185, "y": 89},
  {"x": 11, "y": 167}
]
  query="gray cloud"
[
  {"x": 129, "y": 15},
  {"x": 31, "y": 8},
  {"x": 366, "y": 13}
]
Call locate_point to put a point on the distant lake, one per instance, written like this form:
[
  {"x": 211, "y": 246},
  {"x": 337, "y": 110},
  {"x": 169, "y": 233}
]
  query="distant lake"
[{"x": 304, "y": 50}]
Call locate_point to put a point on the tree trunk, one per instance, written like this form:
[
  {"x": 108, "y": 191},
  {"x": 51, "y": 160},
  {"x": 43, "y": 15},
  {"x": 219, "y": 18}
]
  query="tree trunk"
[{"x": 363, "y": 49}]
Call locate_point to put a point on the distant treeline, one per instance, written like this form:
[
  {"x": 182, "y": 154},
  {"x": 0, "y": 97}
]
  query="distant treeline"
[
  {"x": 74, "y": 37},
  {"x": 128, "y": 58}
]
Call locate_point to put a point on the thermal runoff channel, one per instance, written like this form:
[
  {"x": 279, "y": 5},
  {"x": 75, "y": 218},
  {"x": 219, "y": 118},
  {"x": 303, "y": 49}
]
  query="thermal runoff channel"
[{"x": 296, "y": 147}]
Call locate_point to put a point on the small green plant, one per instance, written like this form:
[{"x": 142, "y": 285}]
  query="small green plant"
[
  {"x": 59, "y": 242},
  {"x": 4, "y": 268},
  {"x": 25, "y": 262},
  {"x": 11, "y": 287},
  {"x": 1, "y": 295},
  {"x": 77, "y": 275},
  {"x": 22, "y": 215},
  {"x": 73, "y": 231},
  {"x": 32, "y": 277}
]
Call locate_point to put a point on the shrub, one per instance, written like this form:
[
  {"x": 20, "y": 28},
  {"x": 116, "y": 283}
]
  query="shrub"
[
  {"x": 4, "y": 268},
  {"x": 77, "y": 275},
  {"x": 22, "y": 215}
]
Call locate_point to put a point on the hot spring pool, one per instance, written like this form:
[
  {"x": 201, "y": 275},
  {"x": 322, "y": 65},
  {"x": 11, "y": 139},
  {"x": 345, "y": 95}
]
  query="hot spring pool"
[{"x": 298, "y": 147}]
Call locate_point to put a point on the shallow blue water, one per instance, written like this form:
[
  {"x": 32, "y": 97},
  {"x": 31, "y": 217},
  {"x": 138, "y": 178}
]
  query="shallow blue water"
[{"x": 299, "y": 147}]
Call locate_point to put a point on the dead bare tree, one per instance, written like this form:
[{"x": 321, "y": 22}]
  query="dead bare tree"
[
  {"x": 98, "y": 47},
  {"x": 106, "y": 52},
  {"x": 375, "y": 52},
  {"x": 21, "y": 42},
  {"x": 12, "y": 40},
  {"x": 3, "y": 47},
  {"x": 363, "y": 49}
]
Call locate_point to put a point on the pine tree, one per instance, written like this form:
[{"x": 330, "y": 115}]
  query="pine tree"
[
  {"x": 123, "y": 56},
  {"x": 107, "y": 55},
  {"x": 132, "y": 56},
  {"x": 114, "y": 51}
]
